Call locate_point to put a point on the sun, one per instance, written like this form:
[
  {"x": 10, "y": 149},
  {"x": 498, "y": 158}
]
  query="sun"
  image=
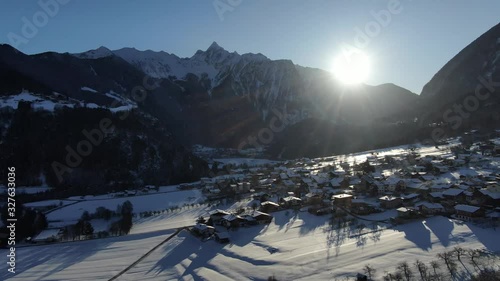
[{"x": 353, "y": 68}]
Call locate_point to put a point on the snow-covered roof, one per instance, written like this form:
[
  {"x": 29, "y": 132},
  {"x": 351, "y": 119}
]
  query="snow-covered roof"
[
  {"x": 201, "y": 226},
  {"x": 402, "y": 209},
  {"x": 218, "y": 211},
  {"x": 491, "y": 193},
  {"x": 453, "y": 192},
  {"x": 269, "y": 203},
  {"x": 387, "y": 198},
  {"x": 47, "y": 234},
  {"x": 410, "y": 196},
  {"x": 341, "y": 196},
  {"x": 467, "y": 208},
  {"x": 231, "y": 217},
  {"x": 336, "y": 181},
  {"x": 291, "y": 198},
  {"x": 429, "y": 205}
]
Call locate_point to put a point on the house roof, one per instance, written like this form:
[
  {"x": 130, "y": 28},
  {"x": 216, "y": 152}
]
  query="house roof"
[
  {"x": 410, "y": 196},
  {"x": 291, "y": 198},
  {"x": 218, "y": 211},
  {"x": 231, "y": 217},
  {"x": 437, "y": 194},
  {"x": 453, "y": 192},
  {"x": 494, "y": 193},
  {"x": 201, "y": 226},
  {"x": 269, "y": 203},
  {"x": 336, "y": 181},
  {"x": 257, "y": 213},
  {"x": 341, "y": 196},
  {"x": 467, "y": 208},
  {"x": 387, "y": 198},
  {"x": 429, "y": 205}
]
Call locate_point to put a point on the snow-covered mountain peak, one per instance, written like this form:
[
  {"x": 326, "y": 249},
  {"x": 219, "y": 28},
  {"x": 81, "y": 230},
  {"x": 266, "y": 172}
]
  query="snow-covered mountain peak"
[
  {"x": 215, "y": 47},
  {"x": 98, "y": 53}
]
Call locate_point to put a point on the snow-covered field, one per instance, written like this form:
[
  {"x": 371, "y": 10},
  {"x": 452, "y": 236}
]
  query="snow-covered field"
[
  {"x": 91, "y": 260},
  {"x": 151, "y": 202},
  {"x": 293, "y": 247},
  {"x": 305, "y": 248},
  {"x": 51, "y": 103}
]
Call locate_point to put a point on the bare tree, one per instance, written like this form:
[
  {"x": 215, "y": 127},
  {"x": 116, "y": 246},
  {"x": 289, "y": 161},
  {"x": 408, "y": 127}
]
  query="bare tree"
[
  {"x": 474, "y": 255},
  {"x": 435, "y": 266},
  {"x": 369, "y": 271},
  {"x": 422, "y": 269},
  {"x": 451, "y": 265},
  {"x": 398, "y": 276},
  {"x": 459, "y": 251},
  {"x": 405, "y": 270}
]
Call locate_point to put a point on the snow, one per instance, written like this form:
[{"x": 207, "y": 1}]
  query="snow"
[
  {"x": 47, "y": 233},
  {"x": 37, "y": 101},
  {"x": 163, "y": 65},
  {"x": 466, "y": 208},
  {"x": 91, "y": 260},
  {"x": 88, "y": 89},
  {"x": 150, "y": 202},
  {"x": 292, "y": 247},
  {"x": 47, "y": 203},
  {"x": 47, "y": 104},
  {"x": 251, "y": 162},
  {"x": 100, "y": 52}
]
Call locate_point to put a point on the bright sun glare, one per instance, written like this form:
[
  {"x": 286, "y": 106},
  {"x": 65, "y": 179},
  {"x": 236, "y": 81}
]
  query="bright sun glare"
[{"x": 352, "y": 68}]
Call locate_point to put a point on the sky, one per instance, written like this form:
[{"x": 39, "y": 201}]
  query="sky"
[{"x": 407, "y": 41}]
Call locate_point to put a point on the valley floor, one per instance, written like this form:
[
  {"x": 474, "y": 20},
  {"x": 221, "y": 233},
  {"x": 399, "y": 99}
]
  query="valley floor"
[{"x": 295, "y": 246}]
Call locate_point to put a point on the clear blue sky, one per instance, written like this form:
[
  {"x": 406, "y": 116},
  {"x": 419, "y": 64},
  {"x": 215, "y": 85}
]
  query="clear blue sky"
[{"x": 415, "y": 44}]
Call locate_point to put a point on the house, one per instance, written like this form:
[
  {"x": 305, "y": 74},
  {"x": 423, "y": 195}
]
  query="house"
[
  {"x": 217, "y": 215},
  {"x": 243, "y": 187},
  {"x": 491, "y": 194},
  {"x": 288, "y": 184},
  {"x": 468, "y": 212},
  {"x": 232, "y": 220},
  {"x": 319, "y": 210},
  {"x": 290, "y": 201},
  {"x": 403, "y": 212},
  {"x": 203, "y": 230},
  {"x": 495, "y": 214},
  {"x": 394, "y": 183},
  {"x": 390, "y": 202},
  {"x": 362, "y": 207},
  {"x": 336, "y": 182},
  {"x": 407, "y": 198},
  {"x": 222, "y": 237},
  {"x": 455, "y": 194},
  {"x": 342, "y": 200},
  {"x": 269, "y": 206},
  {"x": 261, "y": 217},
  {"x": 430, "y": 208}
]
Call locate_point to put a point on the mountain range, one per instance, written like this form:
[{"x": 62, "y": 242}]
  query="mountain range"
[{"x": 219, "y": 98}]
